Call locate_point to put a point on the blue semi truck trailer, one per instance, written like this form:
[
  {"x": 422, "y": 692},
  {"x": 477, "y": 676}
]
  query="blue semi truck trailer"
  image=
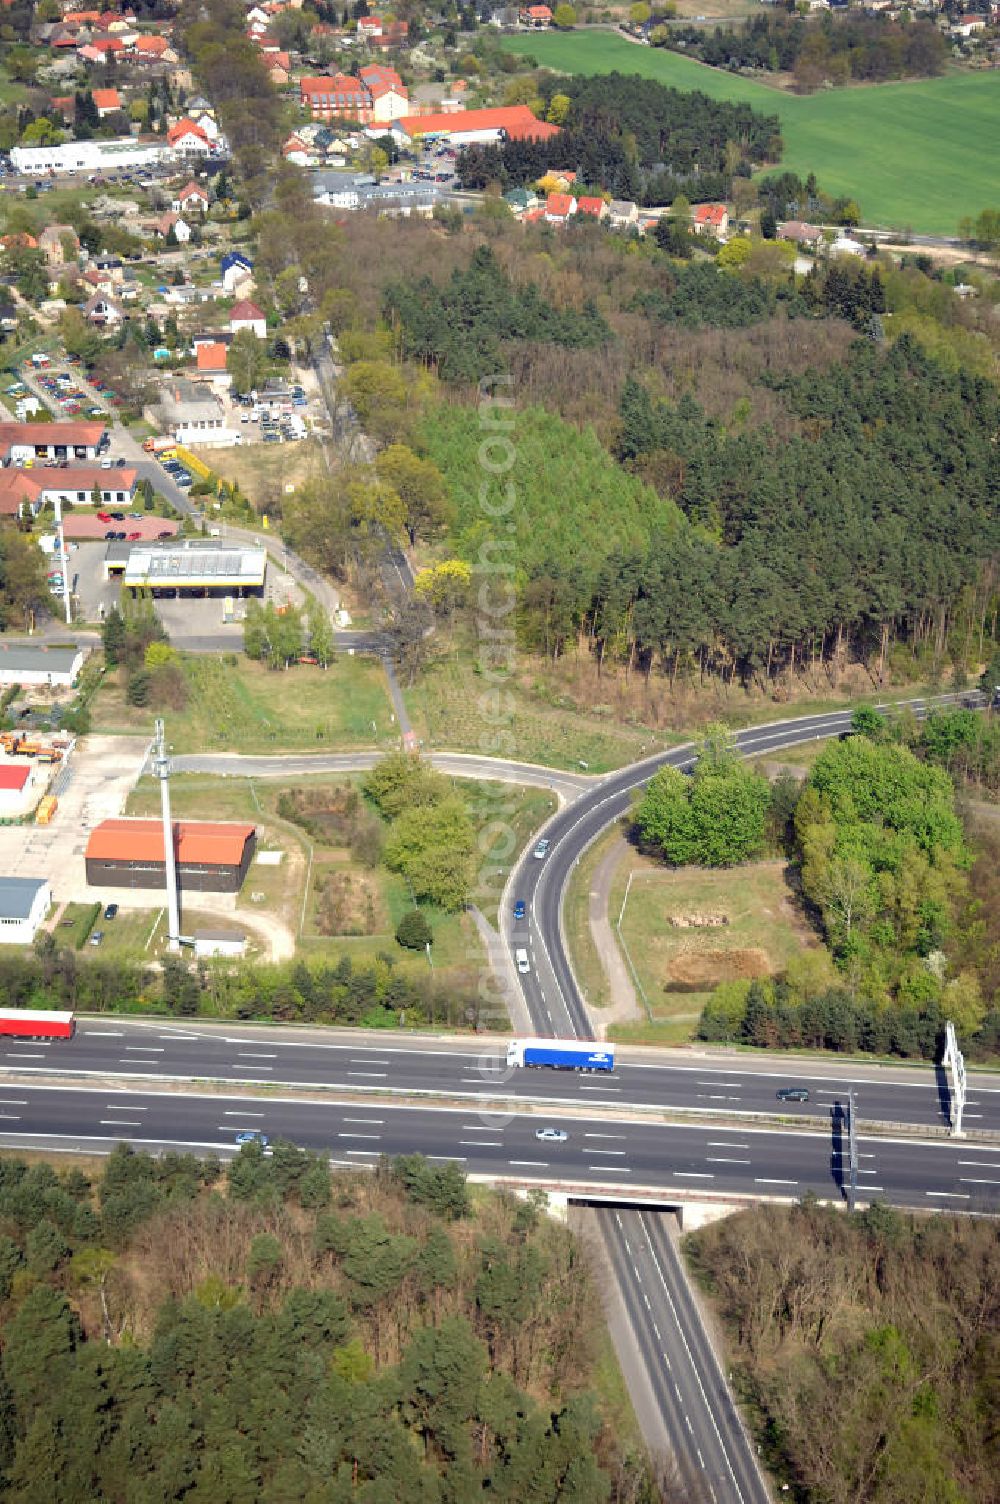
[{"x": 562, "y": 1054}]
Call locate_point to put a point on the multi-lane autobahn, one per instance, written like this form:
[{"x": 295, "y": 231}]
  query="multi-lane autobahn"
[
  {"x": 600, "y": 1155},
  {"x": 359, "y": 1063}
]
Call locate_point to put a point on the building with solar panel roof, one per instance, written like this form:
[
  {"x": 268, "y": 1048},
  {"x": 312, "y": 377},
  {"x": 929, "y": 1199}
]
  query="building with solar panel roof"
[{"x": 195, "y": 567}]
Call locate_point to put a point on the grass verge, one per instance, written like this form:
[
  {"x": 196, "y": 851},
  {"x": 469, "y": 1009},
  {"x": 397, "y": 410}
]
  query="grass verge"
[
  {"x": 245, "y": 707},
  {"x": 584, "y": 957}
]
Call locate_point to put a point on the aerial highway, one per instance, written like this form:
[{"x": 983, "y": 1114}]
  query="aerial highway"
[
  {"x": 612, "y": 1149},
  {"x": 598, "y": 1156},
  {"x": 459, "y": 1067}
]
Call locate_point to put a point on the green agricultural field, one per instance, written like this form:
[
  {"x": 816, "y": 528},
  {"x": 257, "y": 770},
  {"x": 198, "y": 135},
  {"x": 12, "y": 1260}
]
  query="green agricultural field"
[{"x": 914, "y": 155}]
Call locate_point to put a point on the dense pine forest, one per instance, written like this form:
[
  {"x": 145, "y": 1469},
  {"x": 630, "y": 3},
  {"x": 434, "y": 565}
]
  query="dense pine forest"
[{"x": 272, "y": 1332}]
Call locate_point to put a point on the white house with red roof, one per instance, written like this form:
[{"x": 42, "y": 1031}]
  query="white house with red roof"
[
  {"x": 559, "y": 208},
  {"x": 107, "y": 101},
  {"x": 191, "y": 198},
  {"x": 188, "y": 138},
  {"x": 246, "y": 315},
  {"x": 710, "y": 219}
]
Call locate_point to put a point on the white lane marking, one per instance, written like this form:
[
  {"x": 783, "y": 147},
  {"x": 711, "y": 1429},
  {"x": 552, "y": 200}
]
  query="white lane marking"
[
  {"x": 359, "y": 1135},
  {"x": 15, "y": 1117},
  {"x": 448, "y": 1158},
  {"x": 119, "y": 1123},
  {"x": 146, "y": 1049},
  {"x": 621, "y": 1152},
  {"x": 256, "y": 1067},
  {"x": 956, "y": 1195},
  {"x": 600, "y": 1088},
  {"x": 979, "y": 1164},
  {"x": 479, "y": 1128},
  {"x": 713, "y": 1159},
  {"x": 605, "y": 1135},
  {"x": 172, "y": 1037},
  {"x": 694, "y": 1175},
  {"x": 361, "y": 1061},
  {"x": 758, "y": 1181},
  {"x": 362, "y": 1151},
  {"x": 540, "y": 1164},
  {"x": 234, "y": 1113},
  {"x": 481, "y": 1143},
  {"x": 13, "y": 1101},
  {"x": 127, "y": 1107},
  {"x": 718, "y": 1143},
  {"x": 968, "y": 1180},
  {"x": 23, "y": 1055},
  {"x": 107, "y": 1033},
  {"x": 608, "y": 1169},
  {"x": 365, "y": 1120},
  {"x": 255, "y": 1055},
  {"x": 370, "y": 1075}
]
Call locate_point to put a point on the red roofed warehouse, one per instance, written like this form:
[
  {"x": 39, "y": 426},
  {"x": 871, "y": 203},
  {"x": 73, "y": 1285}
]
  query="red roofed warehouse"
[
  {"x": 513, "y": 122},
  {"x": 51, "y": 441},
  {"x": 210, "y": 857}
]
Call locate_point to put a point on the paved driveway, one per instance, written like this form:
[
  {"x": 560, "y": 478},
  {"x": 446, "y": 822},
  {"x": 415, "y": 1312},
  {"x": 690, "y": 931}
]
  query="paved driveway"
[{"x": 97, "y": 781}]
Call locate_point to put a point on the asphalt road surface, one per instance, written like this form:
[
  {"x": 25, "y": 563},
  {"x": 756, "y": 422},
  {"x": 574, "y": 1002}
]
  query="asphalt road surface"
[
  {"x": 599, "y": 1155},
  {"x": 153, "y": 1050}
]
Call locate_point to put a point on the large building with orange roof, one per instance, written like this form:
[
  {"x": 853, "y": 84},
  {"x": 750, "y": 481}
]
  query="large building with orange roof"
[{"x": 210, "y": 856}]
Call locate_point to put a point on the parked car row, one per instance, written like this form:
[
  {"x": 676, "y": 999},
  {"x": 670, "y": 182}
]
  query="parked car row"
[{"x": 178, "y": 473}]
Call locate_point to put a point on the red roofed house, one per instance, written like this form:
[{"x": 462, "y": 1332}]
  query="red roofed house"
[
  {"x": 337, "y": 97},
  {"x": 20, "y": 239},
  {"x": 107, "y": 101},
  {"x": 187, "y": 137},
  {"x": 153, "y": 49},
  {"x": 171, "y": 221},
  {"x": 190, "y": 197},
  {"x": 100, "y": 50},
  {"x": 710, "y": 219},
  {"x": 535, "y": 15},
  {"x": 559, "y": 207},
  {"x": 278, "y": 65},
  {"x": 370, "y": 26},
  {"x": 210, "y": 857},
  {"x": 25, "y": 492},
  {"x": 245, "y": 315},
  {"x": 211, "y": 363},
  {"x": 596, "y": 207}
]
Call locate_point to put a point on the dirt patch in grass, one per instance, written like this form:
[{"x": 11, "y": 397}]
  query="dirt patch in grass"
[
  {"x": 677, "y": 967},
  {"x": 262, "y": 471},
  {"x": 694, "y": 971}
]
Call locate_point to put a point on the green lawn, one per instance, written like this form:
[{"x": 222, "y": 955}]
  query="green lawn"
[
  {"x": 918, "y": 155},
  {"x": 679, "y": 967},
  {"x": 245, "y": 707}
]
